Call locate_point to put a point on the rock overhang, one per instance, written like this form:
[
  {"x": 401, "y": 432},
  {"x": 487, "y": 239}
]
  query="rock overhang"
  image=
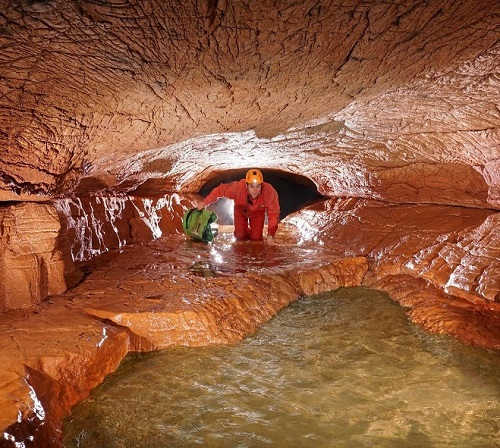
[
  {"x": 396, "y": 102},
  {"x": 390, "y": 101}
]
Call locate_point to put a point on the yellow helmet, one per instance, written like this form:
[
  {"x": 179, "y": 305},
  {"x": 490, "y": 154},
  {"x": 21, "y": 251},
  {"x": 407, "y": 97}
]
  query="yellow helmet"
[{"x": 254, "y": 176}]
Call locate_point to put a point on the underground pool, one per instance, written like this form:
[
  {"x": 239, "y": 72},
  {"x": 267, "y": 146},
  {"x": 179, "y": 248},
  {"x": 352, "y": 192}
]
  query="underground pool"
[{"x": 340, "y": 369}]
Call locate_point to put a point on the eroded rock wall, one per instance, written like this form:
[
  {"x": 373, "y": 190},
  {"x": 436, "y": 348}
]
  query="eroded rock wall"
[
  {"x": 453, "y": 248},
  {"x": 392, "y": 101},
  {"x": 97, "y": 224},
  {"x": 42, "y": 246},
  {"x": 34, "y": 259}
]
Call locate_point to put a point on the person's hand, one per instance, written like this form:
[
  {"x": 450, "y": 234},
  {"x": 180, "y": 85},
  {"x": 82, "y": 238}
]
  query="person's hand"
[
  {"x": 269, "y": 239},
  {"x": 199, "y": 204}
]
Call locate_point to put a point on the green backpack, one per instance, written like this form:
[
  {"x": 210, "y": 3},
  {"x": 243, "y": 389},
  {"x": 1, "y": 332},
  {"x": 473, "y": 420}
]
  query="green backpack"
[{"x": 196, "y": 224}]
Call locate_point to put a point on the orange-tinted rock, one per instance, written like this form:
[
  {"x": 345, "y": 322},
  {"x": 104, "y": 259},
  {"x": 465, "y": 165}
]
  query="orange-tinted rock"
[
  {"x": 475, "y": 256},
  {"x": 441, "y": 262},
  {"x": 40, "y": 243},
  {"x": 345, "y": 272},
  {"x": 34, "y": 262},
  {"x": 96, "y": 224},
  {"x": 377, "y": 100},
  {"x": 173, "y": 292},
  {"x": 222, "y": 310},
  {"x": 51, "y": 360},
  {"x": 391, "y": 101},
  {"x": 455, "y": 249},
  {"x": 15, "y": 400}
]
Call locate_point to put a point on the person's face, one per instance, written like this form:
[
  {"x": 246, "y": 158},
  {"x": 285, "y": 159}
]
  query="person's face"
[{"x": 254, "y": 189}]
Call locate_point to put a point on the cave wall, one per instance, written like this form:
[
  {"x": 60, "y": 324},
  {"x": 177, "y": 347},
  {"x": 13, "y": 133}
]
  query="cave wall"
[
  {"x": 33, "y": 262},
  {"x": 453, "y": 249},
  {"x": 44, "y": 247},
  {"x": 393, "y": 101},
  {"x": 111, "y": 112},
  {"x": 97, "y": 224}
]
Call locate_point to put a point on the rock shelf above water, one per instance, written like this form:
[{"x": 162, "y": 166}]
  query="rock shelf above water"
[
  {"x": 170, "y": 291},
  {"x": 113, "y": 114}
]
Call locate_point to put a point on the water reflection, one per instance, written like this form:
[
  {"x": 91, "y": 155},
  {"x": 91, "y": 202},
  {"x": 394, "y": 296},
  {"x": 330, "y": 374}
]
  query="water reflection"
[
  {"x": 343, "y": 369},
  {"x": 176, "y": 256}
]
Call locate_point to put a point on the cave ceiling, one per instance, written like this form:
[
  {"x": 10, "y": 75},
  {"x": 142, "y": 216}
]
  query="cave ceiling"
[{"x": 393, "y": 101}]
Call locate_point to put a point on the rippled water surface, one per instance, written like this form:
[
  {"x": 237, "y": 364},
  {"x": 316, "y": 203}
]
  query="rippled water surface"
[{"x": 342, "y": 369}]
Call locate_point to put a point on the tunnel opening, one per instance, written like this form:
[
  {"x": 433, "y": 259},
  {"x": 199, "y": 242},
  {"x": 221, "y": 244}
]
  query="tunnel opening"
[{"x": 295, "y": 191}]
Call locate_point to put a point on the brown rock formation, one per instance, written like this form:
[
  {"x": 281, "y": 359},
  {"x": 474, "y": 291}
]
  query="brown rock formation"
[
  {"x": 454, "y": 249},
  {"x": 41, "y": 244},
  {"x": 93, "y": 225},
  {"x": 33, "y": 262},
  {"x": 441, "y": 313},
  {"x": 381, "y": 100},
  {"x": 393, "y": 106},
  {"x": 50, "y": 361}
]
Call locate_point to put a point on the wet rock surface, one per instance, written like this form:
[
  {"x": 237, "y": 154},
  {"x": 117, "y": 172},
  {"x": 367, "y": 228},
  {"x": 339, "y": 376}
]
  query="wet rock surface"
[
  {"x": 171, "y": 291},
  {"x": 441, "y": 263},
  {"x": 93, "y": 225},
  {"x": 50, "y": 360},
  {"x": 43, "y": 247},
  {"x": 393, "y": 106},
  {"x": 453, "y": 248}
]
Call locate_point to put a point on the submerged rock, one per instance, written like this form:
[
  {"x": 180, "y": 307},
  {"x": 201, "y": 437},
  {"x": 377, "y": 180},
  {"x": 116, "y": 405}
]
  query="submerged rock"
[
  {"x": 112, "y": 113},
  {"x": 147, "y": 296}
]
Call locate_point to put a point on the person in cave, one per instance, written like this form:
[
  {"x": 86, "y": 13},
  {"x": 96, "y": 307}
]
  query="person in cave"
[{"x": 252, "y": 199}]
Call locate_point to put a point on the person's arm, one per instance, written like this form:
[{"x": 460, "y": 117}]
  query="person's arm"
[
  {"x": 222, "y": 191},
  {"x": 273, "y": 212}
]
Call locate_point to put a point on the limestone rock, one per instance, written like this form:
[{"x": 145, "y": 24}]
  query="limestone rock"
[
  {"x": 34, "y": 262},
  {"x": 41, "y": 244},
  {"x": 391, "y": 101}
]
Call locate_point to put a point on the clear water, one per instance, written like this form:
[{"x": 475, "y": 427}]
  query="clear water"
[{"x": 342, "y": 369}]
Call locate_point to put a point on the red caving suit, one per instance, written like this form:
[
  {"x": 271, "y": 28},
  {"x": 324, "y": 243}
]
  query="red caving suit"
[{"x": 247, "y": 210}]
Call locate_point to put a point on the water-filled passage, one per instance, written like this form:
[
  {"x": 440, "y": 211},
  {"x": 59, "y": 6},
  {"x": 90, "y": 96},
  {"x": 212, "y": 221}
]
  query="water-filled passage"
[{"x": 342, "y": 369}]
